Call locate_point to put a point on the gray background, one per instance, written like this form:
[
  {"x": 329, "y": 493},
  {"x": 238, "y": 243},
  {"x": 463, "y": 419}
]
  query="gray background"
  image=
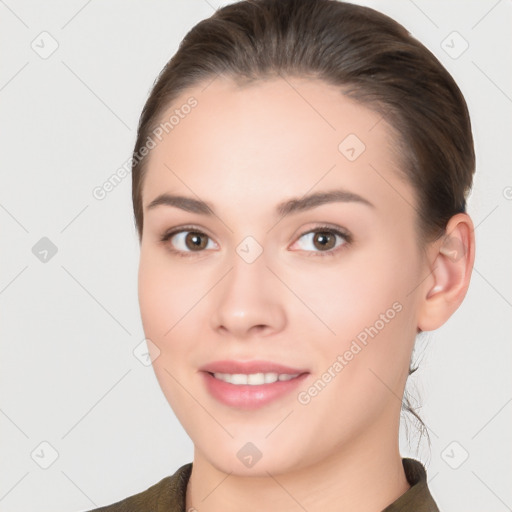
[{"x": 70, "y": 324}]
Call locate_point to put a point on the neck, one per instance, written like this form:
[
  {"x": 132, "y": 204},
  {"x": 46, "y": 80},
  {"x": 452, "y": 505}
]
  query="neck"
[{"x": 367, "y": 476}]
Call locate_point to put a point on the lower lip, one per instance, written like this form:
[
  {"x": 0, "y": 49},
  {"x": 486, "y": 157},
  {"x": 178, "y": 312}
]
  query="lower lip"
[{"x": 245, "y": 396}]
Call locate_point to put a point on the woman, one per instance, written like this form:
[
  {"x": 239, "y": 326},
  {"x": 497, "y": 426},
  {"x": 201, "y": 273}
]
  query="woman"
[{"x": 299, "y": 186}]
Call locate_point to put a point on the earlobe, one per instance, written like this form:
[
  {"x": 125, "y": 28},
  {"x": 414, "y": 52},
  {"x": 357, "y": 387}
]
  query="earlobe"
[{"x": 451, "y": 265}]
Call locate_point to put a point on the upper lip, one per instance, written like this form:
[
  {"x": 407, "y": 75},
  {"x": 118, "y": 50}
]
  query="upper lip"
[{"x": 249, "y": 367}]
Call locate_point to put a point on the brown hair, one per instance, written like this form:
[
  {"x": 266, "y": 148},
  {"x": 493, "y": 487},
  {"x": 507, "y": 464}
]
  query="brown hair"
[{"x": 369, "y": 56}]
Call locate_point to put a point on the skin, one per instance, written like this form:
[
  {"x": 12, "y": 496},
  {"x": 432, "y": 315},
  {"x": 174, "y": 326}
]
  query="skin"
[{"x": 245, "y": 150}]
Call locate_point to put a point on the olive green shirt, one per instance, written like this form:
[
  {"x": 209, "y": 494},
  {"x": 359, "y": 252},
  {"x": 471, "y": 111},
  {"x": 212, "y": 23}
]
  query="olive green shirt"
[{"x": 168, "y": 495}]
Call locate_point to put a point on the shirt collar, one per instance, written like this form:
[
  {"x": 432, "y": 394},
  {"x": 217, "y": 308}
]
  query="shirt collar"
[{"x": 417, "y": 497}]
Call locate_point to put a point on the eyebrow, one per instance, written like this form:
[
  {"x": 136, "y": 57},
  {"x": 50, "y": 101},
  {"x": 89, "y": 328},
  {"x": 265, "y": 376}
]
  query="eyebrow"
[{"x": 288, "y": 207}]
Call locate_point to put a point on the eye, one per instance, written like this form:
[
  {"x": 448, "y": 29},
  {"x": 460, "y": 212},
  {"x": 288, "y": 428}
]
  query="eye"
[
  {"x": 187, "y": 240},
  {"x": 323, "y": 241}
]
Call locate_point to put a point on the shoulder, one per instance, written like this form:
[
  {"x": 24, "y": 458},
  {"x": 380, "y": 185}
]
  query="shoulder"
[
  {"x": 167, "y": 495},
  {"x": 141, "y": 502}
]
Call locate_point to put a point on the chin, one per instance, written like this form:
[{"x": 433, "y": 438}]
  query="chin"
[{"x": 247, "y": 459}]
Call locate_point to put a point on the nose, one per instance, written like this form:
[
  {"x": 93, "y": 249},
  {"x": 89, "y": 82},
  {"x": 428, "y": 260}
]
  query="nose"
[{"x": 248, "y": 301}]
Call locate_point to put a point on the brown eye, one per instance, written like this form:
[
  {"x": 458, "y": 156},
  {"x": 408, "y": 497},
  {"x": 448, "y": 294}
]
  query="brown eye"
[
  {"x": 324, "y": 240},
  {"x": 186, "y": 241},
  {"x": 195, "y": 241}
]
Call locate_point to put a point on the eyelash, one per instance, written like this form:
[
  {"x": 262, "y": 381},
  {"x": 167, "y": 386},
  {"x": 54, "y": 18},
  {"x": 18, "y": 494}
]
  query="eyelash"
[{"x": 345, "y": 235}]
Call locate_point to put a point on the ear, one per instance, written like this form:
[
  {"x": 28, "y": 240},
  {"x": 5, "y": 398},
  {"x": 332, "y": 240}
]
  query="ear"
[{"x": 451, "y": 261}]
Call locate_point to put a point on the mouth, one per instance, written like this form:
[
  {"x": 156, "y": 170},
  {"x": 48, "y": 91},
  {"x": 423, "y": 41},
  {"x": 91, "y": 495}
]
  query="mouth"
[
  {"x": 253, "y": 379},
  {"x": 250, "y": 385}
]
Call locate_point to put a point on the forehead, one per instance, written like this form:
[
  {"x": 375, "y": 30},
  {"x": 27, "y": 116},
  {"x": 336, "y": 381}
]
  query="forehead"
[{"x": 270, "y": 139}]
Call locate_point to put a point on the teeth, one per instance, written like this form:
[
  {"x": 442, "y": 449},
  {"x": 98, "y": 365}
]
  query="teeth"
[{"x": 253, "y": 379}]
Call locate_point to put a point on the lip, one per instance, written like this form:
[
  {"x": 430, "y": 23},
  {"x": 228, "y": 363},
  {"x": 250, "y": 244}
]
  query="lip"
[
  {"x": 247, "y": 396},
  {"x": 247, "y": 367}
]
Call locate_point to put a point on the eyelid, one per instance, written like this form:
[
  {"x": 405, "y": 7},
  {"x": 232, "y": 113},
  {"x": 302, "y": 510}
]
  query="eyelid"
[
  {"x": 337, "y": 230},
  {"x": 187, "y": 227},
  {"x": 168, "y": 234}
]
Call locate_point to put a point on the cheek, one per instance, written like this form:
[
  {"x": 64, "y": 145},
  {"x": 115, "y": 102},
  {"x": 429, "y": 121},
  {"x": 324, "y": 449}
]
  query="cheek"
[
  {"x": 154, "y": 298},
  {"x": 165, "y": 292},
  {"x": 166, "y": 297},
  {"x": 367, "y": 305},
  {"x": 352, "y": 295}
]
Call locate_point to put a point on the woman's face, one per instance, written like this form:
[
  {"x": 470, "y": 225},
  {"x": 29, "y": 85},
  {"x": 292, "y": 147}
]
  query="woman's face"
[{"x": 327, "y": 287}]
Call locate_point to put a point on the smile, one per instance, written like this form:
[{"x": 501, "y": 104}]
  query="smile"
[
  {"x": 251, "y": 391},
  {"x": 253, "y": 379}
]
